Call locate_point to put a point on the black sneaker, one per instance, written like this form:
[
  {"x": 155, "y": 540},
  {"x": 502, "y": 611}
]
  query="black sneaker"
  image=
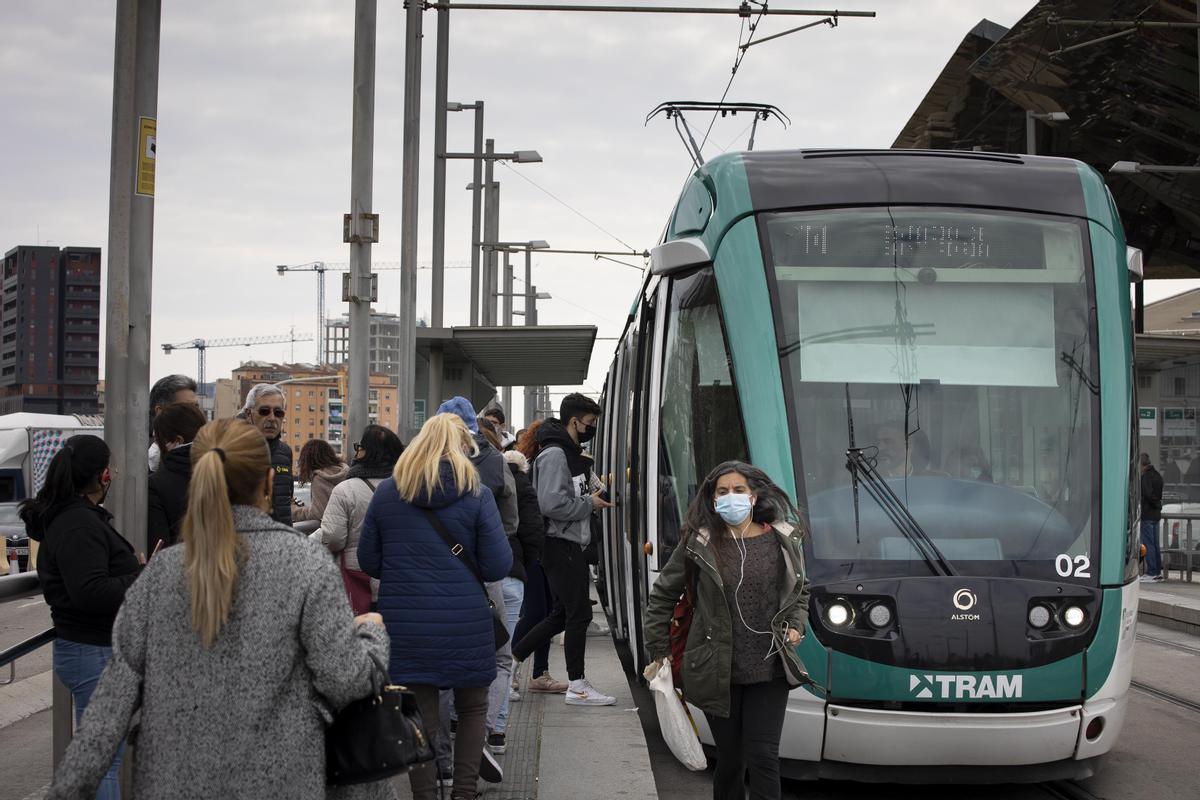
[
  {"x": 489, "y": 768},
  {"x": 495, "y": 743}
]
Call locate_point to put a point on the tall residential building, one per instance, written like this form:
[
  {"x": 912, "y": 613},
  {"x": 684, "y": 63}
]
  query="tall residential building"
[
  {"x": 50, "y": 330},
  {"x": 385, "y": 343}
]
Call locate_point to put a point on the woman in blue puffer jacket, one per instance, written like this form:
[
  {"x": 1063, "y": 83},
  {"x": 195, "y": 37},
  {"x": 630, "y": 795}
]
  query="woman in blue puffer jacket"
[{"x": 435, "y": 610}]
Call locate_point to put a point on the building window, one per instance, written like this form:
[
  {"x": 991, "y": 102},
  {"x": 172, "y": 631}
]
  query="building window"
[
  {"x": 1180, "y": 384},
  {"x": 1145, "y": 381}
]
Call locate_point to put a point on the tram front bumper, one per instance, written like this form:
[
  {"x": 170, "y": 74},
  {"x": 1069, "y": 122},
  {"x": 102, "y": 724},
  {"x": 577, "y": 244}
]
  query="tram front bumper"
[{"x": 900, "y": 738}]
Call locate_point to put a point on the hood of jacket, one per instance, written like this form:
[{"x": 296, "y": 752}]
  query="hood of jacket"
[
  {"x": 333, "y": 474},
  {"x": 178, "y": 460},
  {"x": 443, "y": 494},
  {"x": 37, "y": 525},
  {"x": 462, "y": 407},
  {"x": 373, "y": 473},
  {"x": 554, "y": 434},
  {"x": 515, "y": 458}
]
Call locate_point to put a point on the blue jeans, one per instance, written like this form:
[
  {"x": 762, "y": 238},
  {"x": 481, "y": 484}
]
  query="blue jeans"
[
  {"x": 1150, "y": 539},
  {"x": 514, "y": 593},
  {"x": 79, "y": 666}
]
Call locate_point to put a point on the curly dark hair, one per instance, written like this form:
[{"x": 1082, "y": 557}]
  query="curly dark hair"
[
  {"x": 316, "y": 455},
  {"x": 773, "y": 505}
]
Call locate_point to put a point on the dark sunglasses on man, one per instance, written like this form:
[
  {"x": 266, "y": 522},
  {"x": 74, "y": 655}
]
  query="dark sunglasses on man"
[{"x": 266, "y": 411}]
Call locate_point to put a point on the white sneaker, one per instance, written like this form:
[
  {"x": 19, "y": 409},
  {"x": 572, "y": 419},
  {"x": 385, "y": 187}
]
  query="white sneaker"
[
  {"x": 582, "y": 693},
  {"x": 1149, "y": 578}
]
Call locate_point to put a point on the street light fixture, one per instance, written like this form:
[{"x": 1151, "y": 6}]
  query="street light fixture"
[{"x": 1131, "y": 167}]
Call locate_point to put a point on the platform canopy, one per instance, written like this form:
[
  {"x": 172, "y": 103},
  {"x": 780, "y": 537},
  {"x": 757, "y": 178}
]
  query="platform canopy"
[
  {"x": 1133, "y": 98},
  {"x": 542, "y": 355}
]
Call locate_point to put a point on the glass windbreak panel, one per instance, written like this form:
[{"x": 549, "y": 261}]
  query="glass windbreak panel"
[
  {"x": 701, "y": 423},
  {"x": 954, "y": 351}
]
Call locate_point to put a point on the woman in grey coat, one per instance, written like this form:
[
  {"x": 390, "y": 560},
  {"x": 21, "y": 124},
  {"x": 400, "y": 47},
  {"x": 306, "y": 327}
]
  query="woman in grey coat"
[{"x": 235, "y": 647}]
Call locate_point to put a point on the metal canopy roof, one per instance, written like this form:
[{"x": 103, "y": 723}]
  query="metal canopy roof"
[
  {"x": 1161, "y": 352},
  {"x": 1129, "y": 99},
  {"x": 542, "y": 355}
]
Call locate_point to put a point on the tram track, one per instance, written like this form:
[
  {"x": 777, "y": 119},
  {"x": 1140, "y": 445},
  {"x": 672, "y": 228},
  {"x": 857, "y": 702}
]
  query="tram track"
[{"x": 1168, "y": 643}]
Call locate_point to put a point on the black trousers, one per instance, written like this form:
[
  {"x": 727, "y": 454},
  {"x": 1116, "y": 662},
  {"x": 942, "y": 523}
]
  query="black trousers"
[
  {"x": 567, "y": 572},
  {"x": 749, "y": 739}
]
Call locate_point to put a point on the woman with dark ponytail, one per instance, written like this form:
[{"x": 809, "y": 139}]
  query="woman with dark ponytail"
[{"x": 84, "y": 566}]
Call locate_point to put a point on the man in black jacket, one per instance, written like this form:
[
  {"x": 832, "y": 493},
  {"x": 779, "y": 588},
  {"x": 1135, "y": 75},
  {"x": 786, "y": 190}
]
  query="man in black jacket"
[
  {"x": 265, "y": 409},
  {"x": 1152, "y": 491}
]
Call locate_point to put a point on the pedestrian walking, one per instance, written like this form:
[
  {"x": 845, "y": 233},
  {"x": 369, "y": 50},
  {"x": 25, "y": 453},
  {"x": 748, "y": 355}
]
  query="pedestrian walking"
[
  {"x": 537, "y": 601},
  {"x": 234, "y": 647},
  {"x": 375, "y": 456},
  {"x": 85, "y": 568},
  {"x": 563, "y": 479},
  {"x": 1152, "y": 492},
  {"x": 741, "y": 559},
  {"x": 167, "y": 391},
  {"x": 174, "y": 430},
  {"x": 265, "y": 409},
  {"x": 323, "y": 469},
  {"x": 434, "y": 607}
]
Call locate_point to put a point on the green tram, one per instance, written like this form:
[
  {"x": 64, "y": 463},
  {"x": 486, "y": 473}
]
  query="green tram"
[{"x": 932, "y": 351}]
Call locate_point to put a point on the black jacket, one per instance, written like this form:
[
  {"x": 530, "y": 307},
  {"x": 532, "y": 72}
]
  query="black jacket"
[
  {"x": 1152, "y": 490},
  {"x": 531, "y": 528},
  {"x": 490, "y": 464},
  {"x": 168, "y": 498},
  {"x": 84, "y": 566},
  {"x": 285, "y": 483}
]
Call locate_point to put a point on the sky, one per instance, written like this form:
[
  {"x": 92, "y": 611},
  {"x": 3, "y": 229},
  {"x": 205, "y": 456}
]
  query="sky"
[{"x": 253, "y": 165}]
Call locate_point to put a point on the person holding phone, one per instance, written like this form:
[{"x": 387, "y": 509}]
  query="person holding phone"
[{"x": 85, "y": 568}]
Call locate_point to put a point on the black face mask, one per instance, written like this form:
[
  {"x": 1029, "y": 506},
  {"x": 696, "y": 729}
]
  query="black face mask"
[{"x": 587, "y": 434}]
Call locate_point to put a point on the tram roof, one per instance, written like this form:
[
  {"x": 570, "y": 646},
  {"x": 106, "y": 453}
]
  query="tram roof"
[
  {"x": 1129, "y": 99},
  {"x": 536, "y": 355}
]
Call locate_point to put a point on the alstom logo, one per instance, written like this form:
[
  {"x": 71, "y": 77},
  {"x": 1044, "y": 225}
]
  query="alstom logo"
[{"x": 965, "y": 687}]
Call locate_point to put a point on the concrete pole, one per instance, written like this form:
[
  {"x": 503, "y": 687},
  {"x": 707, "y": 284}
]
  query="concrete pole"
[
  {"x": 130, "y": 262},
  {"x": 476, "y": 210},
  {"x": 406, "y": 390},
  {"x": 1030, "y": 134},
  {"x": 442, "y": 78},
  {"x": 506, "y": 395},
  {"x": 530, "y": 294},
  {"x": 362, "y": 160},
  {"x": 491, "y": 227}
]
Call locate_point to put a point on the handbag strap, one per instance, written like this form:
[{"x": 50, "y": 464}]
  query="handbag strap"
[{"x": 456, "y": 549}]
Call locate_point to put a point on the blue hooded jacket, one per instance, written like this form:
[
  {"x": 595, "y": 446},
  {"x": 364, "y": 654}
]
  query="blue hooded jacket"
[
  {"x": 489, "y": 462},
  {"x": 435, "y": 611}
]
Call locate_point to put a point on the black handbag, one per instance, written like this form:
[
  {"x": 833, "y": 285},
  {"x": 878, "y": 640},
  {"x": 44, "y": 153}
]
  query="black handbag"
[
  {"x": 377, "y": 737},
  {"x": 499, "y": 629}
]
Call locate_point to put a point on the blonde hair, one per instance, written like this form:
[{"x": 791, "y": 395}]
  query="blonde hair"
[
  {"x": 444, "y": 437},
  {"x": 229, "y": 460}
]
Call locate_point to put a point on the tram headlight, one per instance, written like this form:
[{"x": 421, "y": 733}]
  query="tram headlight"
[
  {"x": 1039, "y": 616},
  {"x": 1074, "y": 617},
  {"x": 839, "y": 614},
  {"x": 880, "y": 616}
]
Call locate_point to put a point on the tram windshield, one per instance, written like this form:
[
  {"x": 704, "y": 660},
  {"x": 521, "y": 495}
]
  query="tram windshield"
[{"x": 951, "y": 352}]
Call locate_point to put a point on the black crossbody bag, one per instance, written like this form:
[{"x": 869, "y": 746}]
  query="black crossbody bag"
[{"x": 499, "y": 629}]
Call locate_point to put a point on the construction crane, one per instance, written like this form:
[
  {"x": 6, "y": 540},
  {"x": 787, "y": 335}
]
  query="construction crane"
[
  {"x": 201, "y": 347},
  {"x": 321, "y": 267}
]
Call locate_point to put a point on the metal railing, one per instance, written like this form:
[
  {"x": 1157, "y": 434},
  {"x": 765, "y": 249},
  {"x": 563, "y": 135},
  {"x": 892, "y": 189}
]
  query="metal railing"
[{"x": 1178, "y": 544}]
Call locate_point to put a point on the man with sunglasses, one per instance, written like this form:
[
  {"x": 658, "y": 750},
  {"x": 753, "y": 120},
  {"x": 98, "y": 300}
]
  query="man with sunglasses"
[{"x": 265, "y": 409}]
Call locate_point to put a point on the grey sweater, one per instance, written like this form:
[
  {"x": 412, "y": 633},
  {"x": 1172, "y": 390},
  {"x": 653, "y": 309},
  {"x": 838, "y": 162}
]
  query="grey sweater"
[
  {"x": 565, "y": 500},
  {"x": 246, "y": 717}
]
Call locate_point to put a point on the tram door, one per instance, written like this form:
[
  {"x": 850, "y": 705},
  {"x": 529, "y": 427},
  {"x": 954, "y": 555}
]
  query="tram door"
[{"x": 617, "y": 458}]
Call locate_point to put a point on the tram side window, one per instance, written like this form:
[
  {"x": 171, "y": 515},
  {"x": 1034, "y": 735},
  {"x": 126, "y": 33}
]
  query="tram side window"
[{"x": 701, "y": 417}]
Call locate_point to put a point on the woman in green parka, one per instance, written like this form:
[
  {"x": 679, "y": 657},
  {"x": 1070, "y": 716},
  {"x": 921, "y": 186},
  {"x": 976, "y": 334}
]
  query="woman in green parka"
[{"x": 740, "y": 551}]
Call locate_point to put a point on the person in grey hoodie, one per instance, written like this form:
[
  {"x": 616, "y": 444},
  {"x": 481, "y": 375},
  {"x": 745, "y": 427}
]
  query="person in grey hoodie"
[
  {"x": 236, "y": 648},
  {"x": 562, "y": 476}
]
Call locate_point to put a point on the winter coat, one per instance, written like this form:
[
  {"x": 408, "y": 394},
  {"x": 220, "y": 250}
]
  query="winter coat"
[
  {"x": 1152, "y": 492},
  {"x": 561, "y": 475},
  {"x": 84, "y": 567},
  {"x": 244, "y": 718},
  {"x": 323, "y": 481},
  {"x": 531, "y": 526},
  {"x": 168, "y": 491},
  {"x": 341, "y": 527},
  {"x": 435, "y": 610},
  {"x": 510, "y": 512},
  {"x": 708, "y": 656},
  {"x": 285, "y": 483}
]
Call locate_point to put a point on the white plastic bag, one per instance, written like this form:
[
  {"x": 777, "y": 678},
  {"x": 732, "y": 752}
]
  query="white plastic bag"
[{"x": 676, "y": 723}]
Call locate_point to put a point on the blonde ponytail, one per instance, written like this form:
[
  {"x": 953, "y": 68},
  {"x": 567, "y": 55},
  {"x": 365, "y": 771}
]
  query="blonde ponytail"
[{"x": 229, "y": 462}]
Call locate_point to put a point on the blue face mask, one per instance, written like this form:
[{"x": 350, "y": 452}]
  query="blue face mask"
[{"x": 734, "y": 508}]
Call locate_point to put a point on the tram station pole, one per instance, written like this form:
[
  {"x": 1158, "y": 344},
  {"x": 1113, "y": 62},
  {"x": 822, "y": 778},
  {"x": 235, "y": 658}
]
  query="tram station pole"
[
  {"x": 361, "y": 228},
  {"x": 441, "y": 91},
  {"x": 410, "y": 183},
  {"x": 130, "y": 261}
]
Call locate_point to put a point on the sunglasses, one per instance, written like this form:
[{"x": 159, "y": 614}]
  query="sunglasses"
[{"x": 266, "y": 412}]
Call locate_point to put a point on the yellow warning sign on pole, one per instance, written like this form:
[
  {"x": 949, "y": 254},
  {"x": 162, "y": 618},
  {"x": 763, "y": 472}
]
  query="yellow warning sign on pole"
[{"x": 146, "y": 143}]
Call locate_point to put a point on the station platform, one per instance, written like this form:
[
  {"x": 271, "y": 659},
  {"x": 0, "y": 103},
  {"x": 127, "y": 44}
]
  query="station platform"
[{"x": 1172, "y": 604}]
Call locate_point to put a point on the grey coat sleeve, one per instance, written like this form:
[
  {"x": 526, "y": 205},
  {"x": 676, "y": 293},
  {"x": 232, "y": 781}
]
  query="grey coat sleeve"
[
  {"x": 343, "y": 657},
  {"x": 118, "y": 695},
  {"x": 556, "y": 490}
]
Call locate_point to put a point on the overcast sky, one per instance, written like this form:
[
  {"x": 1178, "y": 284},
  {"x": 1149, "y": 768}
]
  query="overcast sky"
[{"x": 254, "y": 140}]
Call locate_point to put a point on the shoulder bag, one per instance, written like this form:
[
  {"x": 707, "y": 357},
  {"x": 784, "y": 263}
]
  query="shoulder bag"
[
  {"x": 499, "y": 629},
  {"x": 377, "y": 737},
  {"x": 681, "y": 622},
  {"x": 357, "y": 583}
]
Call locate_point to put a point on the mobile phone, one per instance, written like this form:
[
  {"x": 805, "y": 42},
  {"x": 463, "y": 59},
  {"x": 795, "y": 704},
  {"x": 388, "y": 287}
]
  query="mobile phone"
[{"x": 604, "y": 495}]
